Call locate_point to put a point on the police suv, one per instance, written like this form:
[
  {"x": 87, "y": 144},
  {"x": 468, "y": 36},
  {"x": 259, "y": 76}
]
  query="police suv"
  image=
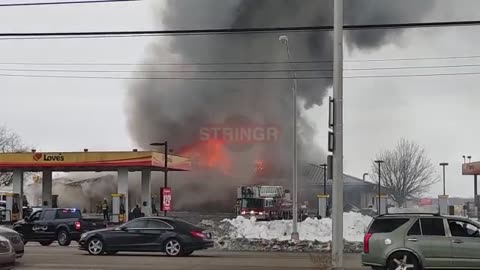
[{"x": 56, "y": 224}]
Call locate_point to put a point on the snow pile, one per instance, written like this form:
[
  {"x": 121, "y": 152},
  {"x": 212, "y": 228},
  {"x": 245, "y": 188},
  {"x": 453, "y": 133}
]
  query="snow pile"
[{"x": 354, "y": 226}]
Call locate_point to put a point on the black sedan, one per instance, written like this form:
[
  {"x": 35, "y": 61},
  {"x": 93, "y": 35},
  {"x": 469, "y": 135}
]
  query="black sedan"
[{"x": 150, "y": 234}]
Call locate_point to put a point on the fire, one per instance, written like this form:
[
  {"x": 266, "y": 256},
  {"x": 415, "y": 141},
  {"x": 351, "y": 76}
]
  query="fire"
[
  {"x": 208, "y": 154},
  {"x": 259, "y": 167},
  {"x": 261, "y": 172}
]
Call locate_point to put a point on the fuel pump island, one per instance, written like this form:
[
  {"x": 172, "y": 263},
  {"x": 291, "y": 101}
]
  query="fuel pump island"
[{"x": 122, "y": 162}]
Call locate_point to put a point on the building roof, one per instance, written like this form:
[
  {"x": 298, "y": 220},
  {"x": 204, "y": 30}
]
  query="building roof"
[
  {"x": 91, "y": 161},
  {"x": 348, "y": 180}
]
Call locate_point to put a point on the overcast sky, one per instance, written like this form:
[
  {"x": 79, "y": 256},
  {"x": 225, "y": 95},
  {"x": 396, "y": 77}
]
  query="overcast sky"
[{"x": 440, "y": 113}]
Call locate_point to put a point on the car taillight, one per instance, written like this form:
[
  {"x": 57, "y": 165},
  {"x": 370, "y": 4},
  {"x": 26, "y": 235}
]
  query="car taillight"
[
  {"x": 198, "y": 234},
  {"x": 77, "y": 225},
  {"x": 366, "y": 245},
  {"x": 244, "y": 212}
]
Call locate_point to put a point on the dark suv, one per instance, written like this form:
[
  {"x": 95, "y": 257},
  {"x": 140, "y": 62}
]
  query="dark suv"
[
  {"x": 417, "y": 241},
  {"x": 61, "y": 224}
]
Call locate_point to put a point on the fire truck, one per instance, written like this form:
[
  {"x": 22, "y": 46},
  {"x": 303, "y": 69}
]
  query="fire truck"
[{"x": 264, "y": 202}]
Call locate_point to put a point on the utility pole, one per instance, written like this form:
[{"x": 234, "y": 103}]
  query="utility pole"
[
  {"x": 379, "y": 162},
  {"x": 337, "y": 187},
  {"x": 443, "y": 164},
  {"x": 165, "y": 165},
  {"x": 475, "y": 199},
  {"x": 324, "y": 166},
  {"x": 294, "y": 236}
]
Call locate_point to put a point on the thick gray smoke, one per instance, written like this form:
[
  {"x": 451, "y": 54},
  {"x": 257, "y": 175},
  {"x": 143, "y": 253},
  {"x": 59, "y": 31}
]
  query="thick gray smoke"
[{"x": 175, "y": 110}]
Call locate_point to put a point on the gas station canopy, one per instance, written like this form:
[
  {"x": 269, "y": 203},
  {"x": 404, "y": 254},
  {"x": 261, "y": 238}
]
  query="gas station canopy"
[{"x": 91, "y": 161}]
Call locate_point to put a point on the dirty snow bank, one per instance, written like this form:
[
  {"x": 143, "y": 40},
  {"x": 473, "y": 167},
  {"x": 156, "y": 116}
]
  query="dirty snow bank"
[
  {"x": 248, "y": 234},
  {"x": 311, "y": 229},
  {"x": 354, "y": 226}
]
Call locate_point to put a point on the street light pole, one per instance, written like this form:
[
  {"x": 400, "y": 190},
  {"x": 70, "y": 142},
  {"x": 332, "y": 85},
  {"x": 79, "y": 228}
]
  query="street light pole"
[
  {"x": 324, "y": 166},
  {"x": 337, "y": 185},
  {"x": 379, "y": 162},
  {"x": 295, "y": 236},
  {"x": 165, "y": 165},
  {"x": 443, "y": 164}
]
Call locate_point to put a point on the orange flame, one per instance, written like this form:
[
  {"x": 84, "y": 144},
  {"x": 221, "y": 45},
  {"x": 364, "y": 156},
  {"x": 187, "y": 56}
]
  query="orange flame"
[{"x": 208, "y": 154}]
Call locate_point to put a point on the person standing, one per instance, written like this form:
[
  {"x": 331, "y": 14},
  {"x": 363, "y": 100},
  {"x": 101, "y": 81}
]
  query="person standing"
[
  {"x": 105, "y": 210},
  {"x": 137, "y": 212}
]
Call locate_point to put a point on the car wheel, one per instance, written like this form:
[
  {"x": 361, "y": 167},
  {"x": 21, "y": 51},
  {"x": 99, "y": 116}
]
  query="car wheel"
[
  {"x": 403, "y": 260},
  {"x": 173, "y": 247},
  {"x": 111, "y": 252},
  {"x": 63, "y": 238},
  {"x": 45, "y": 243},
  {"x": 95, "y": 246}
]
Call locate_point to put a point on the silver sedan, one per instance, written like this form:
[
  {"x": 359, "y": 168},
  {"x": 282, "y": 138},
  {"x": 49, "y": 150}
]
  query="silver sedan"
[
  {"x": 7, "y": 253},
  {"x": 15, "y": 240}
]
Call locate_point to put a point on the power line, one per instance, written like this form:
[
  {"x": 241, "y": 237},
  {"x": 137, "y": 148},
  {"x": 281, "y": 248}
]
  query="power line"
[
  {"x": 238, "y": 78},
  {"x": 164, "y": 71},
  {"x": 81, "y": 37},
  {"x": 414, "y": 67},
  {"x": 227, "y": 31},
  {"x": 151, "y": 78},
  {"x": 235, "y": 63},
  {"x": 415, "y": 58},
  {"x": 65, "y": 3},
  {"x": 238, "y": 71},
  {"x": 164, "y": 64}
]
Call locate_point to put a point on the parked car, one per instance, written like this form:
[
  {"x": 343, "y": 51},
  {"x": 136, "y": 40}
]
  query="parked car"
[
  {"x": 422, "y": 241},
  {"x": 64, "y": 225},
  {"x": 148, "y": 234},
  {"x": 15, "y": 240},
  {"x": 7, "y": 252}
]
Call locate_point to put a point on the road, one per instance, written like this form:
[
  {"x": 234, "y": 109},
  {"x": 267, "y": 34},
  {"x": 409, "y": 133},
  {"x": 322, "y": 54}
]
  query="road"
[{"x": 55, "y": 257}]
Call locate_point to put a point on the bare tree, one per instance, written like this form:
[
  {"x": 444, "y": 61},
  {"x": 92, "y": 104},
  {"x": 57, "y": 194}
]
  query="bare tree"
[
  {"x": 9, "y": 142},
  {"x": 406, "y": 173}
]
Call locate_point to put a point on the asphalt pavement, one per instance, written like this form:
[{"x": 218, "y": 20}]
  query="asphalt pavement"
[{"x": 56, "y": 257}]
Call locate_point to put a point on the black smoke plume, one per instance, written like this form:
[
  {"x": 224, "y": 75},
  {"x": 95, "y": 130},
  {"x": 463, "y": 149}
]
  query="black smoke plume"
[{"x": 175, "y": 110}]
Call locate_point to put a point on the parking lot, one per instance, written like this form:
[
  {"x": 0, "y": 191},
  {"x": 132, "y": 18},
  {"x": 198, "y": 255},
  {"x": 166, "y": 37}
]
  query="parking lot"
[{"x": 55, "y": 257}]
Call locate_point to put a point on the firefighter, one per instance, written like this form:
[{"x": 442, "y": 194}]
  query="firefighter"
[{"x": 105, "y": 210}]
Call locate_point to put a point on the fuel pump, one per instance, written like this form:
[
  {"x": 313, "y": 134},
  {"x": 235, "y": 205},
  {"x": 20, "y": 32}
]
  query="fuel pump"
[
  {"x": 54, "y": 201},
  {"x": 118, "y": 208},
  {"x": 13, "y": 207}
]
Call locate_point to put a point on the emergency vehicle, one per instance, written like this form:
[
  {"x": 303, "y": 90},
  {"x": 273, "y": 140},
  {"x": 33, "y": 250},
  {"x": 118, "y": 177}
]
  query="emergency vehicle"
[{"x": 264, "y": 202}]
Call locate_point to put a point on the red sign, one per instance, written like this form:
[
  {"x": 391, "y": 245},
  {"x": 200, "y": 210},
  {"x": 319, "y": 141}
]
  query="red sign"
[
  {"x": 425, "y": 202},
  {"x": 472, "y": 168},
  {"x": 166, "y": 199}
]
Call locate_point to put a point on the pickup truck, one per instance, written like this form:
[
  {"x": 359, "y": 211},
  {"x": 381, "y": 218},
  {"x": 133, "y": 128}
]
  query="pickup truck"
[{"x": 56, "y": 224}]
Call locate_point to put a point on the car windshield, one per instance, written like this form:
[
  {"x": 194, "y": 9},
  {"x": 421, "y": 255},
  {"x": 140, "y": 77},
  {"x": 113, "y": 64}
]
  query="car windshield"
[{"x": 252, "y": 203}]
